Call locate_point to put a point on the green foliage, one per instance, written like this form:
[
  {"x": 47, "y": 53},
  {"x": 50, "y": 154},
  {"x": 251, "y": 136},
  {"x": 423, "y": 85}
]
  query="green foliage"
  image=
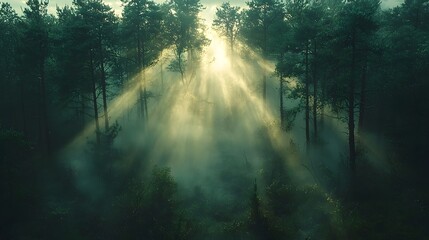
[
  {"x": 141, "y": 28},
  {"x": 185, "y": 32},
  {"x": 110, "y": 135},
  {"x": 317, "y": 213},
  {"x": 18, "y": 184},
  {"x": 10, "y": 34},
  {"x": 53, "y": 70},
  {"x": 228, "y": 22},
  {"x": 258, "y": 224},
  {"x": 13, "y": 144},
  {"x": 151, "y": 210},
  {"x": 72, "y": 46},
  {"x": 35, "y": 37},
  {"x": 259, "y": 23}
]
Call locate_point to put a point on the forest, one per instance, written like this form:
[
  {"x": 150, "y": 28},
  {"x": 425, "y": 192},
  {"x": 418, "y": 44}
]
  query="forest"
[{"x": 258, "y": 119}]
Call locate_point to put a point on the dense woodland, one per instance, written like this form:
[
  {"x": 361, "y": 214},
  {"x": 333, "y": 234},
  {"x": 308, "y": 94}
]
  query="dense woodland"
[{"x": 351, "y": 63}]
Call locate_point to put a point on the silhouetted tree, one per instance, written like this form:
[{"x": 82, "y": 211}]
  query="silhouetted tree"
[
  {"x": 141, "y": 29},
  {"x": 356, "y": 21},
  {"x": 258, "y": 20},
  {"x": 100, "y": 25},
  {"x": 151, "y": 210},
  {"x": 18, "y": 184},
  {"x": 258, "y": 222},
  {"x": 228, "y": 22},
  {"x": 185, "y": 30},
  {"x": 73, "y": 77},
  {"x": 34, "y": 53},
  {"x": 11, "y": 94},
  {"x": 305, "y": 18}
]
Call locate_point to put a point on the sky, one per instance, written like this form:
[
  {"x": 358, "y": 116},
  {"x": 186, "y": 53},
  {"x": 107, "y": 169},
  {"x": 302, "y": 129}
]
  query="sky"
[
  {"x": 117, "y": 5},
  {"x": 208, "y": 13}
]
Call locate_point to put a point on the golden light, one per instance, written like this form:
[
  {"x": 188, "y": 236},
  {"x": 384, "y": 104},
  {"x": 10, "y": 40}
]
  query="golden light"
[
  {"x": 194, "y": 128},
  {"x": 218, "y": 52}
]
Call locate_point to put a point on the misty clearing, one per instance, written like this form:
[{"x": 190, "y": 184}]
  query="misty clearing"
[{"x": 183, "y": 119}]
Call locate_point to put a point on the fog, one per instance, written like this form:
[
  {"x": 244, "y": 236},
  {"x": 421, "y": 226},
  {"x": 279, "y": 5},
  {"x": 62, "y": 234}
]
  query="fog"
[
  {"x": 195, "y": 120},
  {"x": 216, "y": 134},
  {"x": 215, "y": 119}
]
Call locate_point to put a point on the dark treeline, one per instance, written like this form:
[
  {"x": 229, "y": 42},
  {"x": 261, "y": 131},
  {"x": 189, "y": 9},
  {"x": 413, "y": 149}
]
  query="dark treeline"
[{"x": 350, "y": 60}]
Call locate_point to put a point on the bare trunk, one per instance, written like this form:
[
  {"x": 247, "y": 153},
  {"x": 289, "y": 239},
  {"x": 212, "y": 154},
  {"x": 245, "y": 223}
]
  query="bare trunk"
[
  {"x": 181, "y": 70},
  {"x": 140, "y": 75},
  {"x": 322, "y": 101},
  {"x": 44, "y": 108},
  {"x": 82, "y": 110},
  {"x": 264, "y": 52},
  {"x": 145, "y": 104},
  {"x": 231, "y": 44},
  {"x": 264, "y": 87},
  {"x": 144, "y": 81},
  {"x": 103, "y": 89},
  {"x": 191, "y": 67},
  {"x": 94, "y": 98},
  {"x": 281, "y": 90},
  {"x": 307, "y": 99},
  {"x": 351, "y": 119},
  {"x": 145, "y": 98},
  {"x": 362, "y": 103},
  {"x": 315, "y": 92},
  {"x": 23, "y": 112},
  {"x": 141, "y": 100},
  {"x": 104, "y": 93},
  {"x": 162, "y": 72}
]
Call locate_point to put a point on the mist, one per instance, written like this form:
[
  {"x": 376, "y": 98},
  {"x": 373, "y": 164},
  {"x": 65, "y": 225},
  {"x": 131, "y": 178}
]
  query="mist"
[
  {"x": 217, "y": 136},
  {"x": 209, "y": 120}
]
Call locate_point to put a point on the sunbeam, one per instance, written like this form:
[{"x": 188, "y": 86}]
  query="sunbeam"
[
  {"x": 204, "y": 128},
  {"x": 202, "y": 119},
  {"x": 187, "y": 124}
]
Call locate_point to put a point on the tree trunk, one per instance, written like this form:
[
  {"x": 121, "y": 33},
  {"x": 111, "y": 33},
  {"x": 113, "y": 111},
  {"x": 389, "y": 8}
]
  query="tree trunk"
[
  {"x": 162, "y": 72},
  {"x": 181, "y": 70},
  {"x": 322, "y": 101},
  {"x": 94, "y": 98},
  {"x": 23, "y": 111},
  {"x": 103, "y": 88},
  {"x": 104, "y": 93},
  {"x": 145, "y": 104},
  {"x": 281, "y": 90},
  {"x": 43, "y": 106},
  {"x": 231, "y": 43},
  {"x": 315, "y": 82},
  {"x": 307, "y": 99},
  {"x": 362, "y": 103},
  {"x": 145, "y": 97},
  {"x": 82, "y": 110},
  {"x": 351, "y": 115},
  {"x": 141, "y": 100},
  {"x": 264, "y": 87},
  {"x": 264, "y": 52},
  {"x": 140, "y": 74},
  {"x": 144, "y": 82}
]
